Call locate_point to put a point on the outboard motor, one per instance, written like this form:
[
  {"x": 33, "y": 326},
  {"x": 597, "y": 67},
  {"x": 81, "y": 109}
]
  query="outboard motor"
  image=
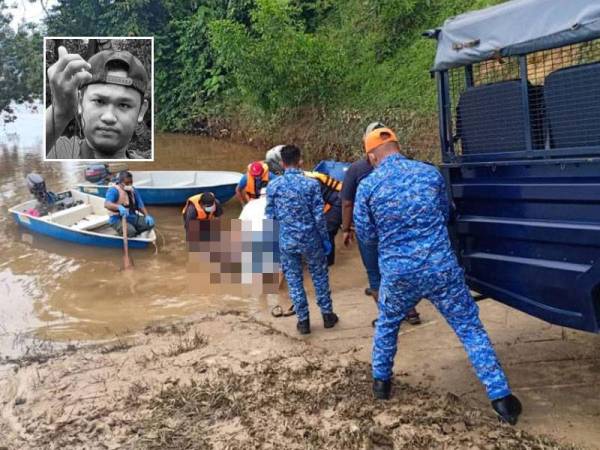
[
  {"x": 37, "y": 187},
  {"x": 96, "y": 173}
]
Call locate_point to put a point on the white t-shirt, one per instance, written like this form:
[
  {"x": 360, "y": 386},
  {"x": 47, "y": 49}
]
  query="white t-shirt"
[{"x": 254, "y": 211}]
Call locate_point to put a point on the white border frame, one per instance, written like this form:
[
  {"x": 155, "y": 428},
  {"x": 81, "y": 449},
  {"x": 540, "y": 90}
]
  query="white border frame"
[{"x": 151, "y": 159}]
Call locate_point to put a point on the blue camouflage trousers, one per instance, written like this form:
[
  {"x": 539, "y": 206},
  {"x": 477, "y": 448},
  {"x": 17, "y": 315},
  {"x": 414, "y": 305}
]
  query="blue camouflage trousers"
[
  {"x": 448, "y": 292},
  {"x": 291, "y": 264}
]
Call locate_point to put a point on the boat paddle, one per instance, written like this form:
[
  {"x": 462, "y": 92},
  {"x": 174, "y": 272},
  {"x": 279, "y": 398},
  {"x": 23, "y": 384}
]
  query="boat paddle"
[{"x": 127, "y": 262}]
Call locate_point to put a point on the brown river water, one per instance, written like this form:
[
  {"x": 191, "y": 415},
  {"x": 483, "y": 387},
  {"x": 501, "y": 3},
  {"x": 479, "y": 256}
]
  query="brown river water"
[{"x": 67, "y": 293}]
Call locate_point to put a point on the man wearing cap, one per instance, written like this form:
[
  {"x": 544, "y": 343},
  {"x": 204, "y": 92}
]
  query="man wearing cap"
[
  {"x": 357, "y": 171},
  {"x": 403, "y": 206},
  {"x": 295, "y": 202},
  {"x": 201, "y": 207},
  {"x": 106, "y": 95},
  {"x": 122, "y": 200},
  {"x": 257, "y": 177}
]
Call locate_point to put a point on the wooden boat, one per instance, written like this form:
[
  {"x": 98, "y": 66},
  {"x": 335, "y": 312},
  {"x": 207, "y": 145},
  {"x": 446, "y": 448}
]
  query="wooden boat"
[
  {"x": 168, "y": 187},
  {"x": 84, "y": 222}
]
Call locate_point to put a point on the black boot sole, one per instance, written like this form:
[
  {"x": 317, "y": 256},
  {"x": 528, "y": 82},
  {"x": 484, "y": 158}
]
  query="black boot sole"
[{"x": 331, "y": 324}]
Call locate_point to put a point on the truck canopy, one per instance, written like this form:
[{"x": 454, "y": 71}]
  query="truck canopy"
[{"x": 515, "y": 28}]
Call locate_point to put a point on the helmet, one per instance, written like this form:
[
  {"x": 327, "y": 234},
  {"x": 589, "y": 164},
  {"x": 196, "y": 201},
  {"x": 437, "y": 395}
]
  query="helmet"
[
  {"x": 256, "y": 169},
  {"x": 273, "y": 159}
]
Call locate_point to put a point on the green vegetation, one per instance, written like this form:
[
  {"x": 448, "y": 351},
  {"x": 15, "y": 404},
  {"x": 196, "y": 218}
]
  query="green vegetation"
[
  {"x": 342, "y": 63},
  {"x": 317, "y": 69},
  {"x": 20, "y": 64}
]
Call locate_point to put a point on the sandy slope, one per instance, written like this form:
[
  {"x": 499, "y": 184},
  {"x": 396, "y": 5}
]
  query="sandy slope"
[{"x": 226, "y": 382}]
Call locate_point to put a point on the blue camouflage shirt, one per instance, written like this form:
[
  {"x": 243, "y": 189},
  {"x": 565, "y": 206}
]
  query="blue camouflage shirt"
[
  {"x": 403, "y": 206},
  {"x": 295, "y": 202}
]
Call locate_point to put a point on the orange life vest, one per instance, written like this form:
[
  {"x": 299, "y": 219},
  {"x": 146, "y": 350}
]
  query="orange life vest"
[
  {"x": 123, "y": 199},
  {"x": 251, "y": 185},
  {"x": 200, "y": 213},
  {"x": 331, "y": 184}
]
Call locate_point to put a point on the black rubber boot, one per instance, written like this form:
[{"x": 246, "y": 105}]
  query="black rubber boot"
[
  {"x": 382, "y": 389},
  {"x": 508, "y": 409},
  {"x": 330, "y": 319},
  {"x": 303, "y": 326},
  {"x": 413, "y": 317}
]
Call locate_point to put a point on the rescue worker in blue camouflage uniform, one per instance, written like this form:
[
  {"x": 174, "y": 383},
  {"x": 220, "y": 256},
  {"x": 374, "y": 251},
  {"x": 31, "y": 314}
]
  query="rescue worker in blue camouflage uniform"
[
  {"x": 403, "y": 206},
  {"x": 295, "y": 202}
]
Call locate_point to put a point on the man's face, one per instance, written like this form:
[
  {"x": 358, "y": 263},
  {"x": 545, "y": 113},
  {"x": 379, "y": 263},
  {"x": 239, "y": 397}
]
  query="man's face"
[
  {"x": 127, "y": 184},
  {"x": 110, "y": 114}
]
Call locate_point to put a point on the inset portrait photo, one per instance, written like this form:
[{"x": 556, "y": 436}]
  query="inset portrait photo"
[{"x": 98, "y": 99}]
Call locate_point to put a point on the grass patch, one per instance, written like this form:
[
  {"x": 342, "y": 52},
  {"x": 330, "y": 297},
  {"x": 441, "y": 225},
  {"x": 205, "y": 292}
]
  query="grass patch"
[
  {"x": 305, "y": 403},
  {"x": 187, "y": 344}
]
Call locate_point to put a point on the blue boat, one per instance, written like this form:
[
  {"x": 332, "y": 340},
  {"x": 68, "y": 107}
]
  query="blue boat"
[
  {"x": 168, "y": 187},
  {"x": 85, "y": 222}
]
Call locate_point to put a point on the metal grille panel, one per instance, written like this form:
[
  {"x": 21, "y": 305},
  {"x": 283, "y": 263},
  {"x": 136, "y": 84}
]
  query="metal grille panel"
[{"x": 494, "y": 110}]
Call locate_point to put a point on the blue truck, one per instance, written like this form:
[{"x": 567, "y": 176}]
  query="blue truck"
[{"x": 519, "y": 123}]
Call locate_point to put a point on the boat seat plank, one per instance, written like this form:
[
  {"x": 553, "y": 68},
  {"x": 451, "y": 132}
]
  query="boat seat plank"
[
  {"x": 182, "y": 183},
  {"x": 70, "y": 215},
  {"x": 91, "y": 222}
]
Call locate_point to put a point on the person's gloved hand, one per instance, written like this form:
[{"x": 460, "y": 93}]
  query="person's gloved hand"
[
  {"x": 327, "y": 247},
  {"x": 123, "y": 211},
  {"x": 149, "y": 220}
]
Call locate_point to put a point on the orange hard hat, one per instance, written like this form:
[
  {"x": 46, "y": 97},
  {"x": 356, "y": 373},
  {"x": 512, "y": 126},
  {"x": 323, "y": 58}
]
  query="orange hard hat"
[
  {"x": 379, "y": 137},
  {"x": 256, "y": 169}
]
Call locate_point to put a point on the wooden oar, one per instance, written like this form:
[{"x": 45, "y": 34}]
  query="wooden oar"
[{"x": 127, "y": 262}]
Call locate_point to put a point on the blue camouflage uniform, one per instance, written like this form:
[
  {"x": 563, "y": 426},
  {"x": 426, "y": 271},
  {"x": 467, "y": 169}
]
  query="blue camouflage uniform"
[
  {"x": 403, "y": 206},
  {"x": 295, "y": 202}
]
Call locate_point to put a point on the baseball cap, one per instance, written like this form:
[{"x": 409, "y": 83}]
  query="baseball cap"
[
  {"x": 373, "y": 126},
  {"x": 137, "y": 77},
  {"x": 256, "y": 169},
  {"x": 379, "y": 137}
]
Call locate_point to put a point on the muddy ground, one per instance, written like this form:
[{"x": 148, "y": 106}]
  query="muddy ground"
[{"x": 229, "y": 381}]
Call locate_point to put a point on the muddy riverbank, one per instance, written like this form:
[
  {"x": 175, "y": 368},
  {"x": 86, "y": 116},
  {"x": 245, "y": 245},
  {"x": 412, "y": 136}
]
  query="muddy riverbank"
[{"x": 227, "y": 381}]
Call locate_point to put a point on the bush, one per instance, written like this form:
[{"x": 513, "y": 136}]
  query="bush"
[{"x": 275, "y": 64}]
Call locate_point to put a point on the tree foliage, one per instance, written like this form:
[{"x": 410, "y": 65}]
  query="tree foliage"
[
  {"x": 273, "y": 57},
  {"x": 20, "y": 64},
  {"x": 274, "y": 63}
]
